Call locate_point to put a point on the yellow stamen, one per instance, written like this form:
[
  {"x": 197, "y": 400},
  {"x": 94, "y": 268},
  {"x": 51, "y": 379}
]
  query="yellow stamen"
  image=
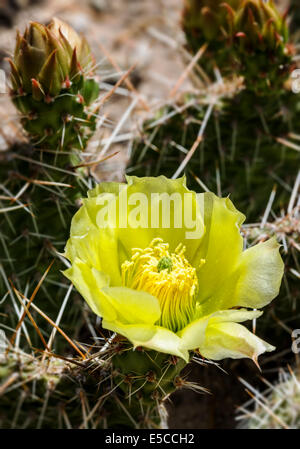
[{"x": 167, "y": 276}]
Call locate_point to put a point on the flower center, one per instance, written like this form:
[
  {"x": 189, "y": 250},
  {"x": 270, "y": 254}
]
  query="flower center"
[
  {"x": 167, "y": 276},
  {"x": 165, "y": 263}
]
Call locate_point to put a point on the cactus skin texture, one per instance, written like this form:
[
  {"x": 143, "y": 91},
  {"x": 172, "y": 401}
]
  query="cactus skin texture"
[
  {"x": 145, "y": 378},
  {"x": 249, "y": 37},
  {"x": 52, "y": 86}
]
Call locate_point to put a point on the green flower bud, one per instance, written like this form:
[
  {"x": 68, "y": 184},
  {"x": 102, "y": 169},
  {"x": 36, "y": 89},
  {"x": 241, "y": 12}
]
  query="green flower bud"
[
  {"x": 208, "y": 21},
  {"x": 261, "y": 45},
  {"x": 50, "y": 55},
  {"x": 249, "y": 37},
  {"x": 53, "y": 86},
  {"x": 261, "y": 25}
]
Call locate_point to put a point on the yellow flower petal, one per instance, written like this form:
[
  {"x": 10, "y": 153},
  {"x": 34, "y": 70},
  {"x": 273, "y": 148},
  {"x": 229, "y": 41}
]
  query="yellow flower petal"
[
  {"x": 232, "y": 340},
  {"x": 102, "y": 242},
  {"x": 133, "y": 306},
  {"x": 137, "y": 334},
  {"x": 231, "y": 277},
  {"x": 151, "y": 337},
  {"x": 221, "y": 247},
  {"x": 89, "y": 283},
  {"x": 96, "y": 248},
  {"x": 162, "y": 214},
  {"x": 261, "y": 270},
  {"x": 193, "y": 335}
]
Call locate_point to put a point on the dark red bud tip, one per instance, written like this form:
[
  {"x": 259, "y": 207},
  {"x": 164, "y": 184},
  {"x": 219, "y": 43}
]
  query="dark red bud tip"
[
  {"x": 228, "y": 7},
  {"x": 80, "y": 99},
  {"x": 67, "y": 83},
  {"x": 240, "y": 34},
  {"x": 173, "y": 360},
  {"x": 251, "y": 17},
  {"x": 48, "y": 99},
  {"x": 286, "y": 13},
  {"x": 35, "y": 82},
  {"x": 277, "y": 36},
  {"x": 260, "y": 37}
]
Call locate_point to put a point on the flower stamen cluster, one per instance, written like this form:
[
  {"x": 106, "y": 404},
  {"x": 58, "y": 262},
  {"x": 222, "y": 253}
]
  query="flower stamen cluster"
[{"x": 175, "y": 286}]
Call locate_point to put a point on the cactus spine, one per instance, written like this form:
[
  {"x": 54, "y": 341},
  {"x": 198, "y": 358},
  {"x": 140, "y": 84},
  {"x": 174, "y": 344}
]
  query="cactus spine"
[
  {"x": 237, "y": 139},
  {"x": 53, "y": 86},
  {"x": 277, "y": 407},
  {"x": 114, "y": 388},
  {"x": 244, "y": 148},
  {"x": 40, "y": 185}
]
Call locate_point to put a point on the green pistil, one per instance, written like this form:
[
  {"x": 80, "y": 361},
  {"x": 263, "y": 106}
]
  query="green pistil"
[{"x": 165, "y": 263}]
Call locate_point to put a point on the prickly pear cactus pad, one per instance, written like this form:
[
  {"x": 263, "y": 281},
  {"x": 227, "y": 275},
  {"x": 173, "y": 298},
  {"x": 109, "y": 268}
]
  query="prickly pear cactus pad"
[
  {"x": 53, "y": 87},
  {"x": 171, "y": 288},
  {"x": 249, "y": 37}
]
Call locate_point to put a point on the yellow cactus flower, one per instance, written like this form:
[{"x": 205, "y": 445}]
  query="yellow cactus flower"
[{"x": 176, "y": 279}]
